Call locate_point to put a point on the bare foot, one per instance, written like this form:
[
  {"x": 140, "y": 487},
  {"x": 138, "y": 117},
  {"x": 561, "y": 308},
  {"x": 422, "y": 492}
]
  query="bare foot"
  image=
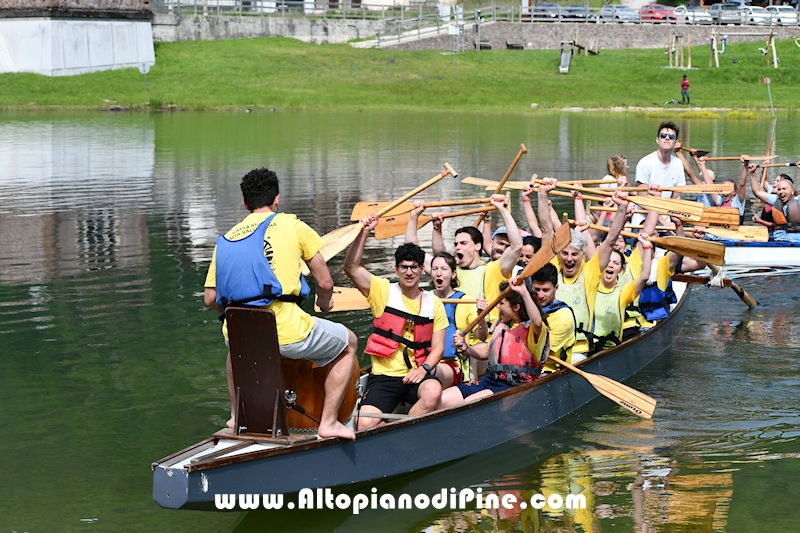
[
  {"x": 229, "y": 423},
  {"x": 336, "y": 430}
]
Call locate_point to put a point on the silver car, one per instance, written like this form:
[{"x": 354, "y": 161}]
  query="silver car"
[
  {"x": 619, "y": 14},
  {"x": 756, "y": 15},
  {"x": 726, "y": 13},
  {"x": 692, "y": 15},
  {"x": 783, "y": 15}
]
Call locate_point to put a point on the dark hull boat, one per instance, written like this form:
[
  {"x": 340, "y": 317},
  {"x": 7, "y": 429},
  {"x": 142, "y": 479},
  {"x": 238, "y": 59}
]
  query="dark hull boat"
[{"x": 233, "y": 465}]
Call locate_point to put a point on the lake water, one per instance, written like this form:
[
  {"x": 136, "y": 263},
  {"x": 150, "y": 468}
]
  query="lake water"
[{"x": 110, "y": 360}]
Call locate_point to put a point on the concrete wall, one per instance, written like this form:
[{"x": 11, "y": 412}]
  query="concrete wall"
[
  {"x": 63, "y": 47},
  {"x": 548, "y": 36},
  {"x": 169, "y": 28}
]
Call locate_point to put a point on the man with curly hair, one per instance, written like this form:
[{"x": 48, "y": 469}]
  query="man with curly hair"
[{"x": 257, "y": 263}]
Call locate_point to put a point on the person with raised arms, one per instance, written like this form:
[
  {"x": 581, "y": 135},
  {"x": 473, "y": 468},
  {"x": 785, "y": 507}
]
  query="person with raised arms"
[
  {"x": 478, "y": 278},
  {"x": 454, "y": 367},
  {"x": 407, "y": 342},
  {"x": 785, "y": 208},
  {"x": 576, "y": 274},
  {"x": 612, "y": 299},
  {"x": 516, "y": 353},
  {"x": 257, "y": 264}
]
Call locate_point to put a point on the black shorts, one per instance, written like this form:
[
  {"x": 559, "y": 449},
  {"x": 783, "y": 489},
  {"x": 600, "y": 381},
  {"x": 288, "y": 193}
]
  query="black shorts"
[{"x": 386, "y": 392}]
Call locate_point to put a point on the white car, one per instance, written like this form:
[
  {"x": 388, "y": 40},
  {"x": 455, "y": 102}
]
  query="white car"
[
  {"x": 692, "y": 15},
  {"x": 783, "y": 15},
  {"x": 755, "y": 15}
]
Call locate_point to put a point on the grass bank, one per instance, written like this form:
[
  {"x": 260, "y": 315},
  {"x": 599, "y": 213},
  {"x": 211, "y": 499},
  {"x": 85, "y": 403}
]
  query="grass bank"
[{"x": 288, "y": 74}]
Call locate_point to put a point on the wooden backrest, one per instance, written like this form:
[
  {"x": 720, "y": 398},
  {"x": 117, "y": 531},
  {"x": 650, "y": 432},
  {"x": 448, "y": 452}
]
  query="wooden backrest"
[{"x": 256, "y": 364}]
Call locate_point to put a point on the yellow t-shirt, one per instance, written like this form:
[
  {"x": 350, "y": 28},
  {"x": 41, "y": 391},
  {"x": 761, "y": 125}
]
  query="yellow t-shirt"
[
  {"x": 485, "y": 278},
  {"x": 378, "y": 298},
  {"x": 591, "y": 278},
  {"x": 561, "y": 325},
  {"x": 286, "y": 241}
]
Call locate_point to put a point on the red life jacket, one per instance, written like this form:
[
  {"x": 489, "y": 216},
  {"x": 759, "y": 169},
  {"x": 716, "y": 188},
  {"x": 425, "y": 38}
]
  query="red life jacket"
[
  {"x": 510, "y": 359},
  {"x": 387, "y": 334}
]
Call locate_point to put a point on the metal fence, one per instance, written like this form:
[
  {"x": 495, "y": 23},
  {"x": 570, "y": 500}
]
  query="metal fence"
[{"x": 404, "y": 18}]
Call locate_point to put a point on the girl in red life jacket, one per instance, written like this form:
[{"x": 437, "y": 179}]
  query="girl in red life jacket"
[
  {"x": 516, "y": 353},
  {"x": 454, "y": 367}
]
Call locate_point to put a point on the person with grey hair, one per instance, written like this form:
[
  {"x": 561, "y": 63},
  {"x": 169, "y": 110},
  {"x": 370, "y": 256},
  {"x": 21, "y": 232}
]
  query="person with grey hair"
[{"x": 577, "y": 276}]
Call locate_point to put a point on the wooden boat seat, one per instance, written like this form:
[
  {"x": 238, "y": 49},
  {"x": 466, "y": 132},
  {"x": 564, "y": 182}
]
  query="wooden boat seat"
[{"x": 256, "y": 365}]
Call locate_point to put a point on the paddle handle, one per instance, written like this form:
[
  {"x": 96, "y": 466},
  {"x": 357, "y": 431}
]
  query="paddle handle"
[
  {"x": 424, "y": 219},
  {"x": 499, "y": 188},
  {"x": 449, "y": 203},
  {"x": 743, "y": 294},
  {"x": 448, "y": 171},
  {"x": 772, "y": 165},
  {"x": 567, "y": 365},
  {"x": 737, "y": 158}
]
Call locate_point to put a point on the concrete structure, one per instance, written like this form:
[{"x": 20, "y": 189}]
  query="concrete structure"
[
  {"x": 67, "y": 37},
  {"x": 172, "y": 28}
]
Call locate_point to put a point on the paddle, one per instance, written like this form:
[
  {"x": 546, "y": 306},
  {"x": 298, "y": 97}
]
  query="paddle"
[
  {"x": 339, "y": 239},
  {"x": 519, "y": 185},
  {"x": 522, "y": 151},
  {"x": 351, "y": 299},
  {"x": 717, "y": 217},
  {"x": 363, "y": 209},
  {"x": 708, "y": 251},
  {"x": 682, "y": 209},
  {"x": 743, "y": 294},
  {"x": 631, "y": 399},
  {"x": 708, "y": 188},
  {"x": 743, "y": 233},
  {"x": 773, "y": 165},
  {"x": 695, "y": 152},
  {"x": 693, "y": 278},
  {"x": 738, "y": 157},
  {"x": 394, "y": 226}
]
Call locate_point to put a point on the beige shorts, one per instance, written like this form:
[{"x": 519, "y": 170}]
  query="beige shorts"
[{"x": 324, "y": 343}]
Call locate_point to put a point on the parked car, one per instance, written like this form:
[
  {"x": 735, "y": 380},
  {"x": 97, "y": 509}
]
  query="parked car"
[
  {"x": 657, "y": 13},
  {"x": 783, "y": 15},
  {"x": 578, "y": 11},
  {"x": 619, "y": 13},
  {"x": 547, "y": 10},
  {"x": 692, "y": 15},
  {"x": 756, "y": 15},
  {"x": 725, "y": 13}
]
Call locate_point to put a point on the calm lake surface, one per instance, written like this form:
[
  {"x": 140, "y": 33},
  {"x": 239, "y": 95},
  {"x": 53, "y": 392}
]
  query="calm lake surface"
[{"x": 110, "y": 360}]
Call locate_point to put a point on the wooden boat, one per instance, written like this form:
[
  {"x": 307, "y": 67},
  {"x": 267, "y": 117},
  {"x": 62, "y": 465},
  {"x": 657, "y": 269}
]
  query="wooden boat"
[{"x": 227, "y": 464}]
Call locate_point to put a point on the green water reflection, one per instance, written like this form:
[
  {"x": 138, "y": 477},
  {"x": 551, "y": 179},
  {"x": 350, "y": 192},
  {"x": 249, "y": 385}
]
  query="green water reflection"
[{"x": 110, "y": 360}]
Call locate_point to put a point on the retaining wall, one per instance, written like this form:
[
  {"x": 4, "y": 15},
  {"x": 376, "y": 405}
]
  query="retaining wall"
[
  {"x": 548, "y": 36},
  {"x": 169, "y": 28}
]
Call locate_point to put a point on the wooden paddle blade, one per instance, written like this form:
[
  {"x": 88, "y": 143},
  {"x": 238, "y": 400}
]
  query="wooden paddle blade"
[
  {"x": 362, "y": 209},
  {"x": 707, "y": 251},
  {"x": 634, "y": 401},
  {"x": 682, "y": 209},
  {"x": 720, "y": 217},
  {"x": 631, "y": 399},
  {"x": 339, "y": 239},
  {"x": 396, "y": 225},
  {"x": 346, "y": 299},
  {"x": 743, "y": 233}
]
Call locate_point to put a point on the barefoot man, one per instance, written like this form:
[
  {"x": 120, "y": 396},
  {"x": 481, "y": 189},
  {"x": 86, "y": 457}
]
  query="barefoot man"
[{"x": 263, "y": 252}]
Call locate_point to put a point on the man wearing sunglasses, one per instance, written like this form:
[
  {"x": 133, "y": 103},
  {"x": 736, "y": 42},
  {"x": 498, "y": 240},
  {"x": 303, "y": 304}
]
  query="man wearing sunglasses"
[
  {"x": 661, "y": 167},
  {"x": 408, "y": 334}
]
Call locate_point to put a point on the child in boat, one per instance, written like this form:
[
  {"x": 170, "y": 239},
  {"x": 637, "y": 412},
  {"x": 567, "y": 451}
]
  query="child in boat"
[
  {"x": 454, "y": 366},
  {"x": 516, "y": 353}
]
